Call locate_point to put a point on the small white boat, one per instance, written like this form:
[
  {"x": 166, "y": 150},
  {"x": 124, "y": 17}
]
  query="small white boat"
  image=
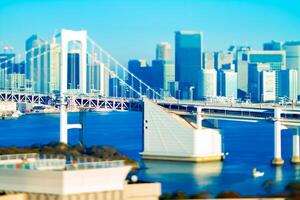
[{"x": 257, "y": 173}]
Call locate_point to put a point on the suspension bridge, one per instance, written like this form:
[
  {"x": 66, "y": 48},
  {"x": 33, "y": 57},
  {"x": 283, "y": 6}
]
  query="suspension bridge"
[{"x": 74, "y": 71}]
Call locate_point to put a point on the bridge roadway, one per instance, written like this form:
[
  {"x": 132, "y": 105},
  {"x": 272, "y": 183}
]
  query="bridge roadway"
[
  {"x": 282, "y": 116},
  {"x": 72, "y": 100},
  {"x": 290, "y": 114}
]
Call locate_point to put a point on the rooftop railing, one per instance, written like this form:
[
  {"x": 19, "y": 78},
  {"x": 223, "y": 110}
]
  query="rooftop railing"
[
  {"x": 19, "y": 156},
  {"x": 60, "y": 164},
  {"x": 95, "y": 165}
]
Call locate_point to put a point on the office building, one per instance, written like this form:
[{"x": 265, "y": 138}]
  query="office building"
[
  {"x": 267, "y": 86},
  {"x": 37, "y": 66},
  {"x": 207, "y": 84},
  {"x": 142, "y": 70},
  {"x": 54, "y": 67},
  {"x": 164, "y": 51},
  {"x": 163, "y": 70},
  {"x": 227, "y": 83},
  {"x": 7, "y": 61},
  {"x": 261, "y": 84},
  {"x": 224, "y": 60},
  {"x": 208, "y": 60},
  {"x": 288, "y": 84},
  {"x": 163, "y": 73},
  {"x": 292, "y": 49},
  {"x": 272, "y": 45},
  {"x": 73, "y": 70},
  {"x": 188, "y": 59},
  {"x": 276, "y": 59},
  {"x": 241, "y": 67},
  {"x": 98, "y": 79}
]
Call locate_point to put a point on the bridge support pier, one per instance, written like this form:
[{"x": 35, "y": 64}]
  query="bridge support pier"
[
  {"x": 199, "y": 118},
  {"x": 296, "y": 158},
  {"x": 63, "y": 136},
  {"x": 277, "y": 138}
]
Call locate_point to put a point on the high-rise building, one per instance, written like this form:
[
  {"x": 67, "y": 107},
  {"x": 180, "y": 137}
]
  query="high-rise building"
[
  {"x": 54, "y": 67},
  {"x": 261, "y": 86},
  {"x": 188, "y": 59},
  {"x": 288, "y": 84},
  {"x": 164, "y": 51},
  {"x": 293, "y": 58},
  {"x": 207, "y": 84},
  {"x": 37, "y": 64},
  {"x": 6, "y": 67},
  {"x": 73, "y": 70},
  {"x": 163, "y": 73},
  {"x": 140, "y": 69},
  {"x": 276, "y": 59},
  {"x": 223, "y": 60},
  {"x": 163, "y": 70},
  {"x": 208, "y": 60},
  {"x": 227, "y": 83},
  {"x": 241, "y": 67},
  {"x": 272, "y": 45},
  {"x": 267, "y": 86}
]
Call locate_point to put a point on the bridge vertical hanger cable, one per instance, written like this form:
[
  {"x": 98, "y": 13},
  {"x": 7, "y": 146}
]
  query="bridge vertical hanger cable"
[
  {"x": 115, "y": 75},
  {"x": 124, "y": 68}
]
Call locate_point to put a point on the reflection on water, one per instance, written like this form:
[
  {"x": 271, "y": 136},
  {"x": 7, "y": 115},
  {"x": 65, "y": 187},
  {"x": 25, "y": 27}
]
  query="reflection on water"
[
  {"x": 297, "y": 171},
  {"x": 250, "y": 145},
  {"x": 201, "y": 172},
  {"x": 278, "y": 174}
]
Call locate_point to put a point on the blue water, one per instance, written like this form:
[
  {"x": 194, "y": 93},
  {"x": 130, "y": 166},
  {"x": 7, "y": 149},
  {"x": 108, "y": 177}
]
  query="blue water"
[{"x": 249, "y": 145}]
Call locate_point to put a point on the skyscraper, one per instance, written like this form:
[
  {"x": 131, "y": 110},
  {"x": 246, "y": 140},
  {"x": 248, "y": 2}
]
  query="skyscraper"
[
  {"x": 223, "y": 60},
  {"x": 37, "y": 66},
  {"x": 227, "y": 83},
  {"x": 207, "y": 84},
  {"x": 163, "y": 69},
  {"x": 54, "y": 67},
  {"x": 208, "y": 60},
  {"x": 164, "y": 51},
  {"x": 267, "y": 86},
  {"x": 288, "y": 84},
  {"x": 272, "y": 45},
  {"x": 6, "y": 67},
  {"x": 140, "y": 69},
  {"x": 241, "y": 65},
  {"x": 293, "y": 58},
  {"x": 73, "y": 70},
  {"x": 261, "y": 86},
  {"x": 188, "y": 59},
  {"x": 276, "y": 59}
]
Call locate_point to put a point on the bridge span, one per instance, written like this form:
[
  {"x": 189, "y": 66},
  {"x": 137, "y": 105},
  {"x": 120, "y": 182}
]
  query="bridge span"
[{"x": 166, "y": 134}]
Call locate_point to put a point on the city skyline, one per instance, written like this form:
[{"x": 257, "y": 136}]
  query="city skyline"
[{"x": 116, "y": 25}]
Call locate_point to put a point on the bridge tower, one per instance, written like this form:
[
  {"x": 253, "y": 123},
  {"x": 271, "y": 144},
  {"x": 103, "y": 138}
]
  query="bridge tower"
[{"x": 67, "y": 36}]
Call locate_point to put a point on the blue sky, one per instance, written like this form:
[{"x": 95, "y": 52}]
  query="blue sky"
[{"x": 131, "y": 28}]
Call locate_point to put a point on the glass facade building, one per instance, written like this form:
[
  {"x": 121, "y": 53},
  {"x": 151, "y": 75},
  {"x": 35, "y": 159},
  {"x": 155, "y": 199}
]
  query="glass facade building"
[
  {"x": 188, "y": 59},
  {"x": 293, "y": 58}
]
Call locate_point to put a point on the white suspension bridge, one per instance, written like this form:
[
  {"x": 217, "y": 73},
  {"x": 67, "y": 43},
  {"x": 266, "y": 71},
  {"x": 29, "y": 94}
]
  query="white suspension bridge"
[{"x": 95, "y": 79}]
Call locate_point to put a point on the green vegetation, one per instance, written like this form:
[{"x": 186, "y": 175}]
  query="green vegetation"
[
  {"x": 230, "y": 195},
  {"x": 291, "y": 191},
  {"x": 95, "y": 153}
]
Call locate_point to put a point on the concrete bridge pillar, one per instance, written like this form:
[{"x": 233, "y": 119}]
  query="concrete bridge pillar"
[
  {"x": 199, "y": 117},
  {"x": 296, "y": 158},
  {"x": 277, "y": 138},
  {"x": 63, "y": 138}
]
